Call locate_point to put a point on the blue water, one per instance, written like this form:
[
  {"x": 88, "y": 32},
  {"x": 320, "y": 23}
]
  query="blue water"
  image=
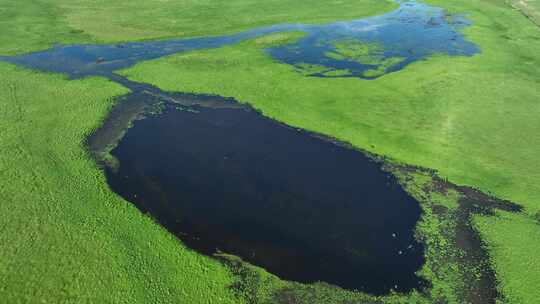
[{"x": 412, "y": 32}]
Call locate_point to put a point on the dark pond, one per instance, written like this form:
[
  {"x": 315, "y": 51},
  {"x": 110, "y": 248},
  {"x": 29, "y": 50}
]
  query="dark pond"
[
  {"x": 225, "y": 178},
  {"x": 365, "y": 48}
]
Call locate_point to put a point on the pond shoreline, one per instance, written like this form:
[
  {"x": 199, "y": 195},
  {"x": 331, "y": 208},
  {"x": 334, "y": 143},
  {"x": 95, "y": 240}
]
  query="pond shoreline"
[
  {"x": 473, "y": 201},
  {"x": 103, "y": 141}
]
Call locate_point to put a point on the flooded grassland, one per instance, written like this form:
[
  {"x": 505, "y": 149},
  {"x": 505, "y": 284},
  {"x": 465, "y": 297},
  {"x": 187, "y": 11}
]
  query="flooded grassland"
[{"x": 298, "y": 216}]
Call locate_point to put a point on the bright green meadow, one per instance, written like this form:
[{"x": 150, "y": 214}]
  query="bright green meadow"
[
  {"x": 32, "y": 25},
  {"x": 66, "y": 238}
]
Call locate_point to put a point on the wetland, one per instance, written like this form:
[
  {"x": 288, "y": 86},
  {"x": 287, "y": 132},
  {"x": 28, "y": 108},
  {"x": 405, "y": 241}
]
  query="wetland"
[{"x": 224, "y": 178}]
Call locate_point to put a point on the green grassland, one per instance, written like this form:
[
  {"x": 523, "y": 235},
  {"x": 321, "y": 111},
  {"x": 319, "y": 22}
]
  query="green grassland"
[
  {"x": 65, "y": 237},
  {"x": 474, "y": 119},
  {"x": 364, "y": 53},
  {"x": 31, "y": 25}
]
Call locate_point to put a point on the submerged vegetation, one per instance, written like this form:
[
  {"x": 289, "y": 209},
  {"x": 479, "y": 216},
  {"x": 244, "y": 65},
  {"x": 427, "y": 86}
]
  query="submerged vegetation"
[
  {"x": 368, "y": 53},
  {"x": 279, "y": 38},
  {"x": 383, "y": 67},
  {"x": 363, "y": 52}
]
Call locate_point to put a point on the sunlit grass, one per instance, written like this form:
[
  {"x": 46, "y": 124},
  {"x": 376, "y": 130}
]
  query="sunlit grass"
[
  {"x": 515, "y": 239},
  {"x": 65, "y": 236},
  {"x": 30, "y": 25}
]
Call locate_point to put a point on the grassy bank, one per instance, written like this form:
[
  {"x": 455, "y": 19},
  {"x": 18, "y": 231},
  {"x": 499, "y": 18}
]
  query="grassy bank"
[
  {"x": 31, "y": 25},
  {"x": 474, "y": 119},
  {"x": 66, "y": 238}
]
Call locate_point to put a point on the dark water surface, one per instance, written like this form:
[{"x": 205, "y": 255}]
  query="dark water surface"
[
  {"x": 304, "y": 208},
  {"x": 224, "y": 178}
]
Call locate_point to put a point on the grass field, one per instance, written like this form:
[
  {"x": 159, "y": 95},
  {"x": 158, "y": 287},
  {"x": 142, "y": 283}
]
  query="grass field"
[
  {"x": 32, "y": 25},
  {"x": 530, "y": 8},
  {"x": 66, "y": 238},
  {"x": 474, "y": 119}
]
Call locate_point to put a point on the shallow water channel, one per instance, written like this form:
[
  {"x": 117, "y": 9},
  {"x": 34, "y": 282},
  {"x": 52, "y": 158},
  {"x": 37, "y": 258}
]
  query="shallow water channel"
[{"x": 224, "y": 178}]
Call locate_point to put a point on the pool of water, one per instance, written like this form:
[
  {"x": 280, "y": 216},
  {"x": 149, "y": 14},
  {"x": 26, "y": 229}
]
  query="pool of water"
[
  {"x": 226, "y": 179},
  {"x": 412, "y": 32}
]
